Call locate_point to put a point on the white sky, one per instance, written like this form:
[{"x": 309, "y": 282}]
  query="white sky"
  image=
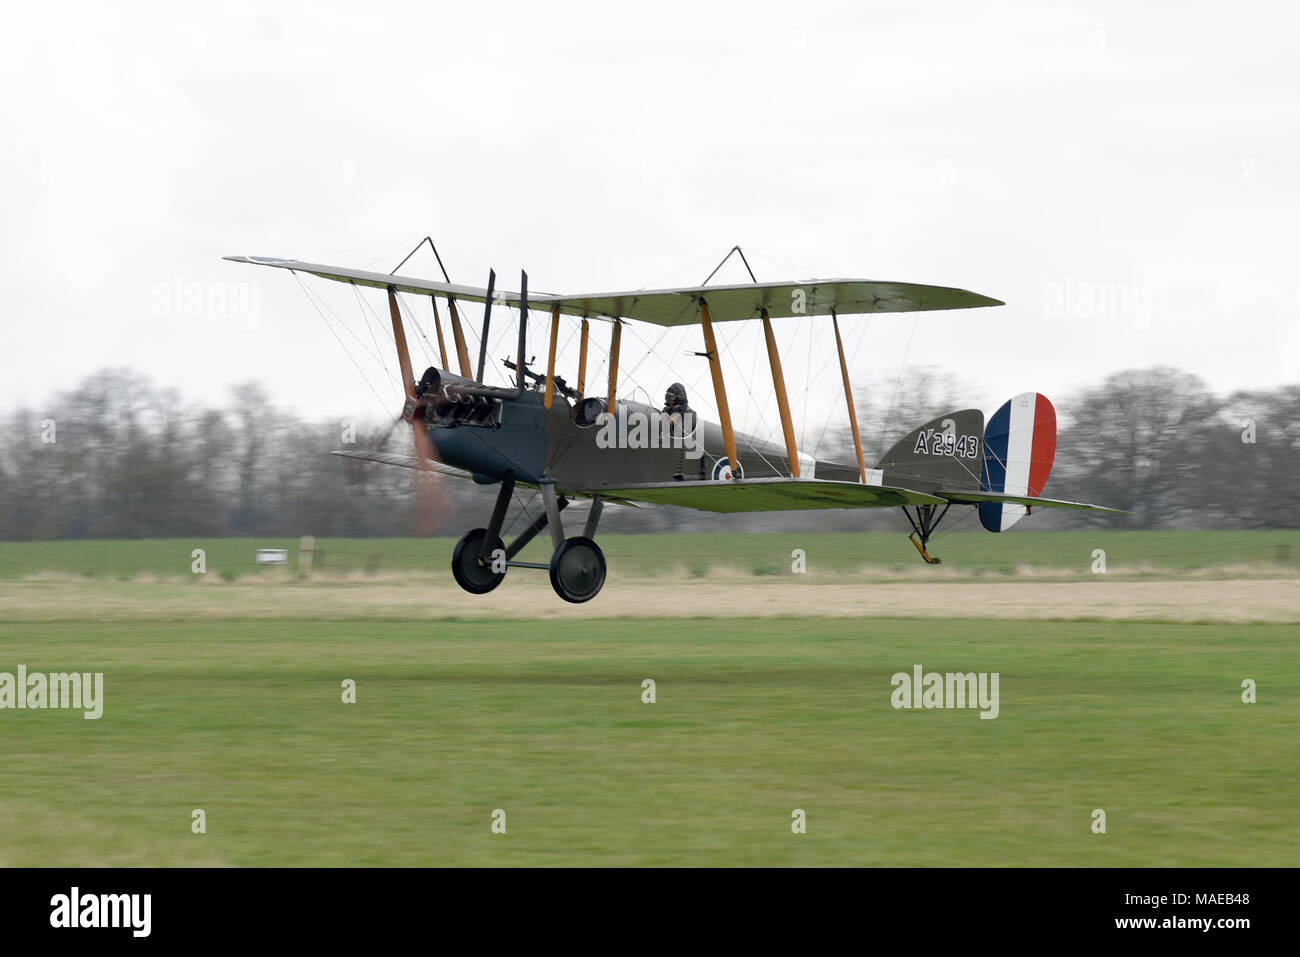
[{"x": 1123, "y": 175}]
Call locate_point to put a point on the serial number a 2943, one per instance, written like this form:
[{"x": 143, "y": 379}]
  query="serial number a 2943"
[{"x": 934, "y": 442}]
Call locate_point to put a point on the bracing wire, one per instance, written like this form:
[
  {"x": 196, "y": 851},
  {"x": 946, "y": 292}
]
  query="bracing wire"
[{"x": 351, "y": 358}]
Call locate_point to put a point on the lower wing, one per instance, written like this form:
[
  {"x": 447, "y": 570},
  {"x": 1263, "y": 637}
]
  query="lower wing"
[
  {"x": 760, "y": 495},
  {"x": 765, "y": 495}
]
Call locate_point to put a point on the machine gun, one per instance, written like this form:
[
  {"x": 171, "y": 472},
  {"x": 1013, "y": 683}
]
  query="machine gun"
[{"x": 561, "y": 386}]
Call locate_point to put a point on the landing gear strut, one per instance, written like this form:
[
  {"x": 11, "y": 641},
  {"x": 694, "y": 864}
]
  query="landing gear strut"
[
  {"x": 577, "y": 566},
  {"x": 478, "y": 562},
  {"x": 923, "y": 527}
]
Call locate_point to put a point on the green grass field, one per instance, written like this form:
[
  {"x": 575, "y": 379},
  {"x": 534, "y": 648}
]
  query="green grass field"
[
  {"x": 650, "y": 555},
  {"x": 753, "y": 719}
]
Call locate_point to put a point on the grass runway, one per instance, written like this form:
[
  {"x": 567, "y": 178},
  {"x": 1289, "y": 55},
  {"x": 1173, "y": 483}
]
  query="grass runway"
[
  {"x": 753, "y": 719},
  {"x": 970, "y": 553}
]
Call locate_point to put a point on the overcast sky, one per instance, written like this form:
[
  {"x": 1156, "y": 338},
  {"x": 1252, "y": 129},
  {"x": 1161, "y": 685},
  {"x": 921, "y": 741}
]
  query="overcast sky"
[{"x": 1123, "y": 175}]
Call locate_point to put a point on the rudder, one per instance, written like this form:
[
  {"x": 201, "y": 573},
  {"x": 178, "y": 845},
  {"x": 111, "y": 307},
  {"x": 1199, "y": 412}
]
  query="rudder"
[{"x": 1019, "y": 446}]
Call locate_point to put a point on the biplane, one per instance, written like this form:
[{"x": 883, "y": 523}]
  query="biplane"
[{"x": 569, "y": 442}]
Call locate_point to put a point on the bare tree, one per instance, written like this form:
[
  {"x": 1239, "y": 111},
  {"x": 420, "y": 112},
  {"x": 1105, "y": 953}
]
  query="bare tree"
[{"x": 121, "y": 458}]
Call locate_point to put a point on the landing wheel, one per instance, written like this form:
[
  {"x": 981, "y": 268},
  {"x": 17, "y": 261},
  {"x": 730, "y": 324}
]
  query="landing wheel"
[
  {"x": 469, "y": 574},
  {"x": 577, "y": 569}
]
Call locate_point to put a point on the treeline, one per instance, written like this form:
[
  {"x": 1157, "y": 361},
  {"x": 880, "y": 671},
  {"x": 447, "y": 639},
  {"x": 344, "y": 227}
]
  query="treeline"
[
  {"x": 1154, "y": 441},
  {"x": 125, "y": 459}
]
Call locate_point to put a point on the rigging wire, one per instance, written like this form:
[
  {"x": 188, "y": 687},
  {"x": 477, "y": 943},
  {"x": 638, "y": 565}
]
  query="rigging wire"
[
  {"x": 898, "y": 382},
  {"x": 357, "y": 294},
  {"x": 359, "y": 249},
  {"x": 384, "y": 405},
  {"x": 320, "y": 303},
  {"x": 725, "y": 345},
  {"x": 852, "y": 361}
]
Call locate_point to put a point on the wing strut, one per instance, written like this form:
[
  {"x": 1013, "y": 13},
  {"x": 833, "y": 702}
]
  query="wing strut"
[
  {"x": 615, "y": 337},
  {"x": 719, "y": 389},
  {"x": 550, "y": 355},
  {"x": 582, "y": 359},
  {"x": 459, "y": 334},
  {"x": 848, "y": 397},
  {"x": 437, "y": 324},
  {"x": 399, "y": 337},
  {"x": 782, "y": 402}
]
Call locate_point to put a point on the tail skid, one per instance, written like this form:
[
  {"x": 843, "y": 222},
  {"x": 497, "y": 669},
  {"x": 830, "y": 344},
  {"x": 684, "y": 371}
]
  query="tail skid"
[
  {"x": 929, "y": 559},
  {"x": 923, "y": 526}
]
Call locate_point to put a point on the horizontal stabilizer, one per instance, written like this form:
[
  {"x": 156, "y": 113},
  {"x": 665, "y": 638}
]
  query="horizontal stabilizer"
[{"x": 1001, "y": 498}]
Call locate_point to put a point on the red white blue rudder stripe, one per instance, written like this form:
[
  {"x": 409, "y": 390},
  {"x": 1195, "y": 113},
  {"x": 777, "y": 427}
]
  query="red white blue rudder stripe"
[{"x": 1019, "y": 445}]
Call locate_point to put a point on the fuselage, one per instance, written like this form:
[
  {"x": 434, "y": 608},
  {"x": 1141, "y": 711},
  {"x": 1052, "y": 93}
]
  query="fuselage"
[{"x": 490, "y": 436}]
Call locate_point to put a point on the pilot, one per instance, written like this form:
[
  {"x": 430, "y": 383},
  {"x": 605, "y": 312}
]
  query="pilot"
[
  {"x": 680, "y": 420},
  {"x": 678, "y": 409}
]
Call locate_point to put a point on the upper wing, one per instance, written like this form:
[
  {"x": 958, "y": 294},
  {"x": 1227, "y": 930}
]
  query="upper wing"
[
  {"x": 813, "y": 297},
  {"x": 766, "y": 495},
  {"x": 679, "y": 307}
]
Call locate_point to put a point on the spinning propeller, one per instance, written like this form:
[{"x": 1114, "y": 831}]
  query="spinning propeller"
[{"x": 430, "y": 497}]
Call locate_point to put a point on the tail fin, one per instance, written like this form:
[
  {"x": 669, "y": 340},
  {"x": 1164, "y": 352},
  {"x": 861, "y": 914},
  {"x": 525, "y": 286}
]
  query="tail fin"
[
  {"x": 944, "y": 451},
  {"x": 1019, "y": 446}
]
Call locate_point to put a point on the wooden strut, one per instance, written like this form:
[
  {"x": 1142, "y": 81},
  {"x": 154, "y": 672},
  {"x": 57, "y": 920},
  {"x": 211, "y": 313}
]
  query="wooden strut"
[
  {"x": 613, "y": 364},
  {"x": 782, "y": 402},
  {"x": 848, "y": 398},
  {"x": 550, "y": 357},
  {"x": 459, "y": 335},
  {"x": 582, "y": 360},
  {"x": 719, "y": 389},
  {"x": 399, "y": 337},
  {"x": 437, "y": 324}
]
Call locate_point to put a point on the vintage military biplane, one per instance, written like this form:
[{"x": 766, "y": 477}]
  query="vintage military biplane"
[{"x": 568, "y": 443}]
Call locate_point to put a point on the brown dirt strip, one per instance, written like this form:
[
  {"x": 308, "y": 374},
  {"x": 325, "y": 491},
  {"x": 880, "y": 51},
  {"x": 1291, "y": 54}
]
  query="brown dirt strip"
[{"x": 528, "y": 595}]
